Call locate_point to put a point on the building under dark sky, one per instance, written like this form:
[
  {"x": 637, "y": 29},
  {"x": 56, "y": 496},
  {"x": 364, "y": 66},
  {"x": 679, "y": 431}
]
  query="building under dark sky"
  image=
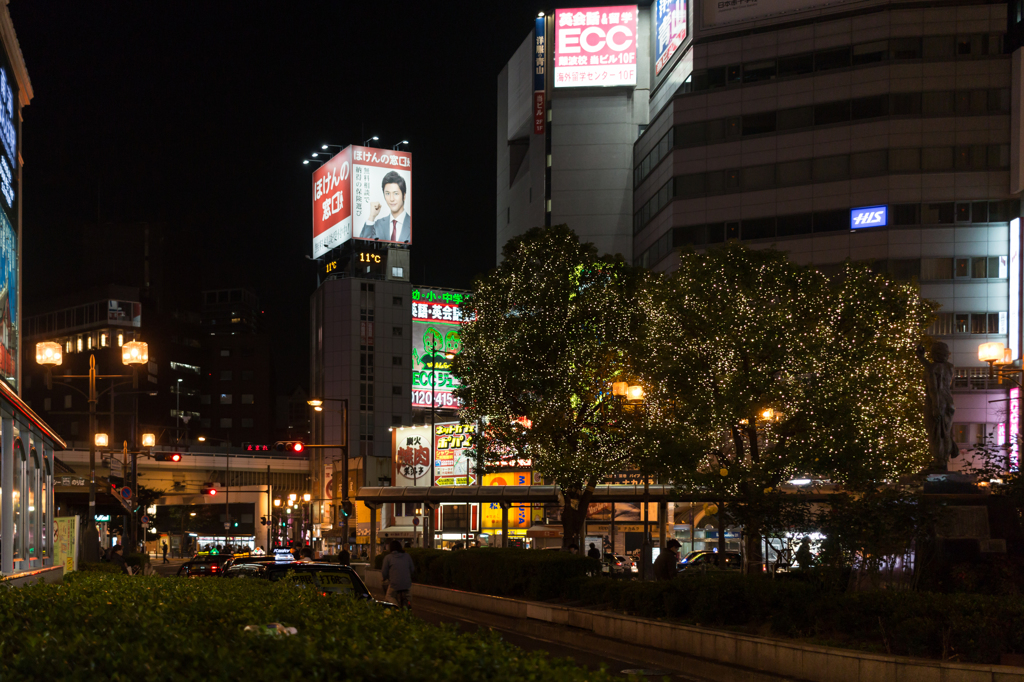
[{"x": 198, "y": 118}]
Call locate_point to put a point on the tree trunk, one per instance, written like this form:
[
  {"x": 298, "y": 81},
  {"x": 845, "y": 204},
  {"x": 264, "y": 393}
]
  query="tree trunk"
[
  {"x": 752, "y": 549},
  {"x": 574, "y": 514}
]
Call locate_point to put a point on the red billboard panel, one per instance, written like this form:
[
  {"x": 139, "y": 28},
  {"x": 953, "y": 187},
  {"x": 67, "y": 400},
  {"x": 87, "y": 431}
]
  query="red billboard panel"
[
  {"x": 595, "y": 46},
  {"x": 332, "y": 203}
]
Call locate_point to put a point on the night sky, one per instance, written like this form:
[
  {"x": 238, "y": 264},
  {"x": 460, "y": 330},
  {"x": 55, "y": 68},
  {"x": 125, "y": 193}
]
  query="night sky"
[{"x": 198, "y": 115}]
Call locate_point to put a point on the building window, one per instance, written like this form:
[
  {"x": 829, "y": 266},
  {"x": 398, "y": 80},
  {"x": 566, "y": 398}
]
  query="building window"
[
  {"x": 396, "y": 420},
  {"x": 204, "y": 400},
  {"x": 225, "y": 422},
  {"x": 247, "y": 375},
  {"x": 74, "y": 429},
  {"x": 396, "y": 300},
  {"x": 67, "y": 402},
  {"x": 225, "y": 375},
  {"x": 205, "y": 423},
  {"x": 246, "y": 423},
  {"x": 247, "y": 398},
  {"x": 396, "y": 360},
  {"x": 225, "y": 398},
  {"x": 225, "y": 352},
  {"x": 396, "y": 331},
  {"x": 396, "y": 390},
  {"x": 46, "y": 404}
]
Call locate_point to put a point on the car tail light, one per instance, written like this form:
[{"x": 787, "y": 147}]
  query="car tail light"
[{"x": 213, "y": 568}]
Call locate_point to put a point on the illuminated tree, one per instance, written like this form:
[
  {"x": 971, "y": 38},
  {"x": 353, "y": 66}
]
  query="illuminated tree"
[
  {"x": 551, "y": 328},
  {"x": 779, "y": 372}
]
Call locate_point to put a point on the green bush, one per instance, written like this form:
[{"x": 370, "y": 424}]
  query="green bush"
[
  {"x": 118, "y": 627},
  {"x": 137, "y": 559},
  {"x": 965, "y": 627},
  {"x": 98, "y": 567},
  {"x": 504, "y": 572}
]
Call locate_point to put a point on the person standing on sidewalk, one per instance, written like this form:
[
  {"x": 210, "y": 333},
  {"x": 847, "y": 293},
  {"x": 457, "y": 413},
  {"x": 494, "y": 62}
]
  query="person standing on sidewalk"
[
  {"x": 667, "y": 563},
  {"x": 594, "y": 552},
  {"x": 397, "y": 571},
  {"x": 164, "y": 547}
]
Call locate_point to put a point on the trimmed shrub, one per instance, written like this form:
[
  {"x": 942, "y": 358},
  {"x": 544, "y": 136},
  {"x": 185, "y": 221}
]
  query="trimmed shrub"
[
  {"x": 118, "y": 627},
  {"x": 503, "y": 572},
  {"x": 97, "y": 567}
]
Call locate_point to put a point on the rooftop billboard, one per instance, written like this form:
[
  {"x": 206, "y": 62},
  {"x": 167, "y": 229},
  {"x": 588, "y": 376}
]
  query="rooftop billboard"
[
  {"x": 595, "y": 46},
  {"x": 362, "y": 193}
]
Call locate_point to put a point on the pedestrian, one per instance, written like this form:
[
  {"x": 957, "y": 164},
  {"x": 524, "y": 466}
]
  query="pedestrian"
[
  {"x": 344, "y": 557},
  {"x": 396, "y": 572},
  {"x": 574, "y": 548},
  {"x": 667, "y": 564},
  {"x": 594, "y": 552},
  {"x": 803, "y": 554},
  {"x": 165, "y": 548},
  {"x": 117, "y": 558},
  {"x": 306, "y": 554}
]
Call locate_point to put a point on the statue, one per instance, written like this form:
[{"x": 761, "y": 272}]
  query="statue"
[{"x": 938, "y": 405}]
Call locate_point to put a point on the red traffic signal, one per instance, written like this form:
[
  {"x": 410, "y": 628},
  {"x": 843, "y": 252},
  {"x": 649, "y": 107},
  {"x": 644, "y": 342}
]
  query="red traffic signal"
[
  {"x": 209, "y": 491},
  {"x": 167, "y": 456},
  {"x": 290, "y": 446}
]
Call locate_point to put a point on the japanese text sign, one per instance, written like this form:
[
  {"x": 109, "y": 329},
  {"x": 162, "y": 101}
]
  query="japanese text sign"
[
  {"x": 453, "y": 445},
  {"x": 670, "y": 30},
  {"x": 412, "y": 456},
  {"x": 595, "y": 46},
  {"x": 519, "y": 516},
  {"x": 436, "y": 316},
  {"x": 363, "y": 193}
]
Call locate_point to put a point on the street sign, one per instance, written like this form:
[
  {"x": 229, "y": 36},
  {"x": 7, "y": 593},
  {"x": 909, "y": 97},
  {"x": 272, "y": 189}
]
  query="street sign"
[
  {"x": 145, "y": 524},
  {"x": 126, "y": 493},
  {"x": 415, "y": 520},
  {"x": 145, "y": 520},
  {"x": 227, "y": 525}
]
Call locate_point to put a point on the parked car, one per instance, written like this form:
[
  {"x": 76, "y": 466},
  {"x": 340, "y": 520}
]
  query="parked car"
[
  {"x": 326, "y": 578},
  {"x": 203, "y": 566},
  {"x": 705, "y": 559},
  {"x": 616, "y": 563}
]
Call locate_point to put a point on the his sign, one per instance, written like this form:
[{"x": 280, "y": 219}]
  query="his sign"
[{"x": 869, "y": 216}]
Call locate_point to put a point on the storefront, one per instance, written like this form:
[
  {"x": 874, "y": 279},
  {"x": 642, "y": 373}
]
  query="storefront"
[{"x": 27, "y": 448}]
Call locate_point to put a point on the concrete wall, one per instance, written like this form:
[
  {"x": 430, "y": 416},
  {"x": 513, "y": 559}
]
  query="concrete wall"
[{"x": 701, "y": 652}]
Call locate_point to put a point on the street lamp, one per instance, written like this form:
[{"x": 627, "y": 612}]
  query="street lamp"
[
  {"x": 135, "y": 353},
  {"x": 395, "y": 148},
  {"x": 148, "y": 440},
  {"x": 101, "y": 440},
  {"x": 49, "y": 353},
  {"x": 318, "y": 406},
  {"x": 373, "y": 139}
]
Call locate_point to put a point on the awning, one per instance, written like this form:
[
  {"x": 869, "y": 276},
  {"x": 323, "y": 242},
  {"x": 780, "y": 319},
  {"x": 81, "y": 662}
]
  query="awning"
[
  {"x": 541, "y": 531},
  {"x": 399, "y": 532}
]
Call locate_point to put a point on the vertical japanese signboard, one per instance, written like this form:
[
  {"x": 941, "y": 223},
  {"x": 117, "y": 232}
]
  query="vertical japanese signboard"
[
  {"x": 362, "y": 193},
  {"x": 539, "y": 66},
  {"x": 436, "y": 317},
  {"x": 1014, "y": 429},
  {"x": 595, "y": 46},
  {"x": 453, "y": 445},
  {"x": 9, "y": 313},
  {"x": 332, "y": 203},
  {"x": 411, "y": 456},
  {"x": 669, "y": 30}
]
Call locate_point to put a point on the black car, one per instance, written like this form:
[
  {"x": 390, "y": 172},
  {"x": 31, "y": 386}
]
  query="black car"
[
  {"x": 706, "y": 559},
  {"x": 204, "y": 566},
  {"x": 246, "y": 559},
  {"x": 325, "y": 578}
]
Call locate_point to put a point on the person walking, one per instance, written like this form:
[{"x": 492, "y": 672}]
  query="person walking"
[
  {"x": 594, "y": 552},
  {"x": 164, "y": 548},
  {"x": 667, "y": 563},
  {"x": 397, "y": 571},
  {"x": 344, "y": 558},
  {"x": 803, "y": 554}
]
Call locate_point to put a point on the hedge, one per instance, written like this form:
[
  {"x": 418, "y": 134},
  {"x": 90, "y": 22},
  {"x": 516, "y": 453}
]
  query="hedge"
[
  {"x": 96, "y": 626},
  {"x": 503, "y": 572},
  {"x": 964, "y": 627}
]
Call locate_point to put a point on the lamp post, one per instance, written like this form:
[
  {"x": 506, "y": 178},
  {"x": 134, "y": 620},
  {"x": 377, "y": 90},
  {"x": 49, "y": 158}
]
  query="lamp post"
[
  {"x": 433, "y": 412},
  {"x": 49, "y": 354},
  {"x": 318, "y": 406},
  {"x": 633, "y": 398}
]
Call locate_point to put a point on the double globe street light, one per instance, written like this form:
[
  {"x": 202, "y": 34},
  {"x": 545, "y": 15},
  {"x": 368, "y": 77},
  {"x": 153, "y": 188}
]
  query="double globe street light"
[{"x": 49, "y": 354}]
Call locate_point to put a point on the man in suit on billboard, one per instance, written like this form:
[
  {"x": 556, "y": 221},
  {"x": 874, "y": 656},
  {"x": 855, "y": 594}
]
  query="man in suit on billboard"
[{"x": 396, "y": 226}]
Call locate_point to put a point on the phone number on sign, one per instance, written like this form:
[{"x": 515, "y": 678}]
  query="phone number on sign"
[{"x": 444, "y": 399}]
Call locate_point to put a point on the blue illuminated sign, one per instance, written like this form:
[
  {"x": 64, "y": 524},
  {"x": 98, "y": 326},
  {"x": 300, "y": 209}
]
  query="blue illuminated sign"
[{"x": 869, "y": 216}]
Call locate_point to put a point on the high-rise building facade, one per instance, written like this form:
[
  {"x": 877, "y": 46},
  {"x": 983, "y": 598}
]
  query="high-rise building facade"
[{"x": 872, "y": 130}]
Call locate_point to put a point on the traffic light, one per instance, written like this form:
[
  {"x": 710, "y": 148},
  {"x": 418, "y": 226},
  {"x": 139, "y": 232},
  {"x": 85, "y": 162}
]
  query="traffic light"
[
  {"x": 290, "y": 446},
  {"x": 347, "y": 507},
  {"x": 209, "y": 491},
  {"x": 167, "y": 456}
]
